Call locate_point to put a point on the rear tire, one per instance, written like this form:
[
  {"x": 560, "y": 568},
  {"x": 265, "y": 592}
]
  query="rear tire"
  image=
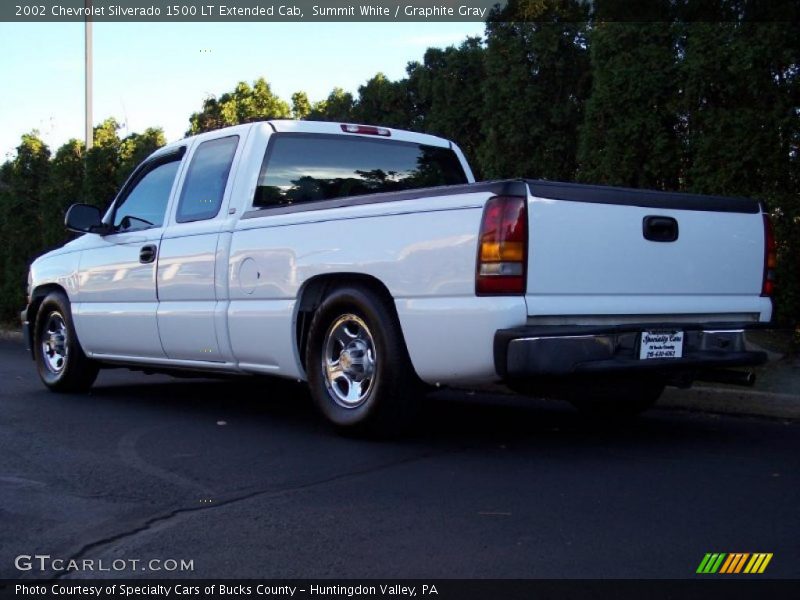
[
  {"x": 359, "y": 371},
  {"x": 60, "y": 360}
]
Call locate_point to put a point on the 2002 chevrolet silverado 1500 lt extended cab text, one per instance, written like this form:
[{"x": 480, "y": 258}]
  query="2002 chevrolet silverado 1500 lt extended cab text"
[{"x": 367, "y": 262}]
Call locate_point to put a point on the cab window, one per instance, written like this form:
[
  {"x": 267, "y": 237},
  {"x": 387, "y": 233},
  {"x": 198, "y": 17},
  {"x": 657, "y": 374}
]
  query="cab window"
[
  {"x": 145, "y": 205},
  {"x": 206, "y": 179}
]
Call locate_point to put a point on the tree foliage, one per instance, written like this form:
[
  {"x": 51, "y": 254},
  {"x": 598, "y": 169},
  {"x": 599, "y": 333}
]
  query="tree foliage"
[
  {"x": 383, "y": 101},
  {"x": 301, "y": 106},
  {"x": 629, "y": 135},
  {"x": 102, "y": 164},
  {"x": 338, "y": 106},
  {"x": 535, "y": 87},
  {"x": 65, "y": 184},
  {"x": 22, "y": 200},
  {"x": 244, "y": 105},
  {"x": 136, "y": 147},
  {"x": 446, "y": 94}
]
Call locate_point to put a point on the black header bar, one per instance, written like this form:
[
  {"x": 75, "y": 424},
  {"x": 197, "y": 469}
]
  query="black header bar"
[
  {"x": 730, "y": 588},
  {"x": 221, "y": 11}
]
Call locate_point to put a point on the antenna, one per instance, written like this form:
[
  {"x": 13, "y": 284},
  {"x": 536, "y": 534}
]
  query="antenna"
[{"x": 88, "y": 74}]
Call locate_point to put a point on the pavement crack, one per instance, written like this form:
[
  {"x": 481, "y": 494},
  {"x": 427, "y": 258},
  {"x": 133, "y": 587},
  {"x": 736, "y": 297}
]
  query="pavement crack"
[
  {"x": 128, "y": 452},
  {"x": 178, "y": 512}
]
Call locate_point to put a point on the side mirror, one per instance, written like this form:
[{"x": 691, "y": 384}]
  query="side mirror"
[{"x": 85, "y": 218}]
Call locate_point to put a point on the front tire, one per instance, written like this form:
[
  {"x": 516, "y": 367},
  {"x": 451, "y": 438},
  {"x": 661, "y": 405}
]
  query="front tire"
[
  {"x": 358, "y": 367},
  {"x": 60, "y": 360}
]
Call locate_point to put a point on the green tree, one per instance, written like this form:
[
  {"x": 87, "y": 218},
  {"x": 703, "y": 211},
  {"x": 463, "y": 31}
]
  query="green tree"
[
  {"x": 21, "y": 218},
  {"x": 136, "y": 147},
  {"x": 446, "y": 94},
  {"x": 739, "y": 106},
  {"x": 338, "y": 106},
  {"x": 102, "y": 165},
  {"x": 630, "y": 129},
  {"x": 301, "y": 106},
  {"x": 243, "y": 105},
  {"x": 64, "y": 187},
  {"x": 535, "y": 87},
  {"x": 266, "y": 105},
  {"x": 384, "y": 102},
  {"x": 208, "y": 119}
]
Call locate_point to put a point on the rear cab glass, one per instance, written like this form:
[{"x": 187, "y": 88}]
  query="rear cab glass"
[{"x": 302, "y": 168}]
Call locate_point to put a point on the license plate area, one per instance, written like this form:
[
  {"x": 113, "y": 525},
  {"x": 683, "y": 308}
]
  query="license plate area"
[{"x": 660, "y": 345}]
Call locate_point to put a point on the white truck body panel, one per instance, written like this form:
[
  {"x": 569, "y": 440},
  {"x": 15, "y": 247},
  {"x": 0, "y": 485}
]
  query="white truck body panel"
[
  {"x": 590, "y": 258},
  {"x": 116, "y": 293},
  {"x": 224, "y": 292},
  {"x": 416, "y": 263}
]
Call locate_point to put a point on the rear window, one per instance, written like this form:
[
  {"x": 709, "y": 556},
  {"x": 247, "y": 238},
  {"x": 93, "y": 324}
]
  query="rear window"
[{"x": 301, "y": 168}]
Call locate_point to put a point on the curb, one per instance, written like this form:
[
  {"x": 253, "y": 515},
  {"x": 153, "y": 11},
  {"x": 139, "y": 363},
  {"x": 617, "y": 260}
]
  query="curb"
[
  {"x": 10, "y": 334},
  {"x": 732, "y": 402},
  {"x": 702, "y": 398}
]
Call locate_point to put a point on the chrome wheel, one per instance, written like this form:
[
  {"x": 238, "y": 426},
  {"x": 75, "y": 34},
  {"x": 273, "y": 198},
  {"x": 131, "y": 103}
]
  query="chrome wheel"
[
  {"x": 349, "y": 361},
  {"x": 54, "y": 343}
]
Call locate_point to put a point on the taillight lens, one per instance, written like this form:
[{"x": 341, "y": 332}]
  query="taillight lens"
[
  {"x": 502, "y": 247},
  {"x": 770, "y": 258}
]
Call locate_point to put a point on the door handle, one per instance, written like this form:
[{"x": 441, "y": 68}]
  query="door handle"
[
  {"x": 660, "y": 229},
  {"x": 148, "y": 253}
]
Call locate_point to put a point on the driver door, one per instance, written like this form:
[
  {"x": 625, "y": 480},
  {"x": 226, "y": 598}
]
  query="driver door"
[{"x": 118, "y": 302}]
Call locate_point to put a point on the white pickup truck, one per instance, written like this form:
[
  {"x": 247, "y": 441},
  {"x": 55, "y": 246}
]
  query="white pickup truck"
[{"x": 368, "y": 262}]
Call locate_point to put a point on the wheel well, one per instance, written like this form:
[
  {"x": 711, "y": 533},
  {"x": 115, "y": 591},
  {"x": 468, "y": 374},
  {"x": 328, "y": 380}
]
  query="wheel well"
[
  {"x": 37, "y": 297},
  {"x": 317, "y": 288}
]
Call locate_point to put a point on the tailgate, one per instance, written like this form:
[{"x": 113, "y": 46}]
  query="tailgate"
[{"x": 599, "y": 250}]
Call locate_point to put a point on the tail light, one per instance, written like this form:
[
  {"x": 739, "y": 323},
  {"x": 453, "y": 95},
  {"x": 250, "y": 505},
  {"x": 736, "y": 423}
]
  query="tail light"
[
  {"x": 770, "y": 258},
  {"x": 502, "y": 247}
]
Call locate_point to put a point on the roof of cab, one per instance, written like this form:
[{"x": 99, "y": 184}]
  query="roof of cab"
[
  {"x": 335, "y": 127},
  {"x": 324, "y": 127}
]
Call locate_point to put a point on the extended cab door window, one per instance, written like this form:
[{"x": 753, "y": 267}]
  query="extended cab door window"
[
  {"x": 188, "y": 262},
  {"x": 145, "y": 204},
  {"x": 205, "y": 182}
]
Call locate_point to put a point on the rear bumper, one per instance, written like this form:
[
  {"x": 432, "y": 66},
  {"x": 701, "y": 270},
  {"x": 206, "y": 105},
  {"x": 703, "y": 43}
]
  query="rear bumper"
[{"x": 557, "y": 351}]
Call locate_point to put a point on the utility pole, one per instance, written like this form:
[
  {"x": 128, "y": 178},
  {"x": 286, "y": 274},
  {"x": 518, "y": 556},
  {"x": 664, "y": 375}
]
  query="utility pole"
[{"x": 88, "y": 75}]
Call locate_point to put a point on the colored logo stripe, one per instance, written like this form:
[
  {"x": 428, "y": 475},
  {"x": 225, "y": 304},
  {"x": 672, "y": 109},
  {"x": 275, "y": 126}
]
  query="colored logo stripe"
[
  {"x": 723, "y": 563},
  {"x": 758, "y": 563},
  {"x": 710, "y": 563},
  {"x": 734, "y": 563}
]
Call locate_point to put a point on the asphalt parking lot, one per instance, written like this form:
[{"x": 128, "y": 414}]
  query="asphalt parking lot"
[{"x": 244, "y": 480}]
